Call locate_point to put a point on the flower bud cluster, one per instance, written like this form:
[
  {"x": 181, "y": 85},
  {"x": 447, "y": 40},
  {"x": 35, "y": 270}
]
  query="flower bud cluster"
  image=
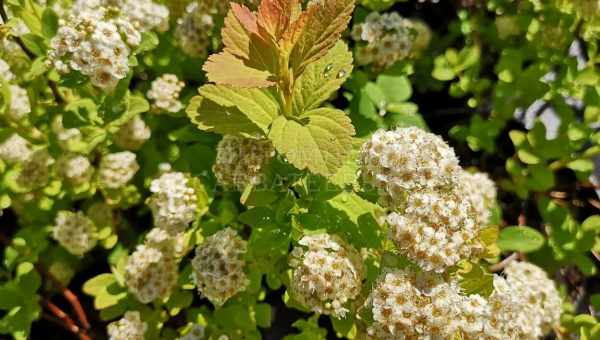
[
  {"x": 130, "y": 327},
  {"x": 74, "y": 169},
  {"x": 5, "y": 72},
  {"x": 116, "y": 169},
  {"x": 19, "y": 103},
  {"x": 327, "y": 273},
  {"x": 151, "y": 271},
  {"x": 35, "y": 170},
  {"x": 219, "y": 266},
  {"x": 96, "y": 41},
  {"x": 241, "y": 161},
  {"x": 481, "y": 192},
  {"x": 133, "y": 134},
  {"x": 75, "y": 232},
  {"x": 164, "y": 93},
  {"x": 15, "y": 149},
  {"x": 173, "y": 201},
  {"x": 436, "y": 215},
  {"x": 387, "y": 38}
]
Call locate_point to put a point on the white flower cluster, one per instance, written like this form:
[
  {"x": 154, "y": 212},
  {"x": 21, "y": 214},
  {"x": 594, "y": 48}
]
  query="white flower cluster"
[
  {"x": 151, "y": 273},
  {"x": 173, "y": 202},
  {"x": 96, "y": 42},
  {"x": 144, "y": 15},
  {"x": 133, "y": 134},
  {"x": 438, "y": 209},
  {"x": 15, "y": 149},
  {"x": 241, "y": 161},
  {"x": 75, "y": 232},
  {"x": 19, "y": 103},
  {"x": 407, "y": 159},
  {"x": 542, "y": 302},
  {"x": 436, "y": 229},
  {"x": 164, "y": 93},
  {"x": 75, "y": 169},
  {"x": 327, "y": 273},
  {"x": 116, "y": 169},
  {"x": 130, "y": 327},
  {"x": 481, "y": 192},
  {"x": 5, "y": 72},
  {"x": 68, "y": 139},
  {"x": 414, "y": 305},
  {"x": 219, "y": 266},
  {"x": 387, "y": 38}
]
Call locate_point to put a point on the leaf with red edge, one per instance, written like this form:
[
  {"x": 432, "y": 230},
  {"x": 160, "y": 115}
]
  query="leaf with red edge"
[
  {"x": 225, "y": 69},
  {"x": 325, "y": 23},
  {"x": 275, "y": 16}
]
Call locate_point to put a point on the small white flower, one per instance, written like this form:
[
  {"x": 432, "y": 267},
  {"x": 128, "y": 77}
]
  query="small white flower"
[
  {"x": 150, "y": 273},
  {"x": 116, "y": 169},
  {"x": 173, "y": 201},
  {"x": 130, "y": 327},
  {"x": 19, "y": 103},
  {"x": 133, "y": 134},
  {"x": 164, "y": 93}
]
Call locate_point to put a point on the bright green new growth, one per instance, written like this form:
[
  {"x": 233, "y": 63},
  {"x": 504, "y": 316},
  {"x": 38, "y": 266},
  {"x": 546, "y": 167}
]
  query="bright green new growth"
[{"x": 278, "y": 66}]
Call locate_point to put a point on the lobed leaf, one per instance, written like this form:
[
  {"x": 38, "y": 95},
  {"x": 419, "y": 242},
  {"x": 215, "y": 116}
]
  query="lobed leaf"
[
  {"x": 318, "y": 141},
  {"x": 322, "y": 78},
  {"x": 225, "y": 69}
]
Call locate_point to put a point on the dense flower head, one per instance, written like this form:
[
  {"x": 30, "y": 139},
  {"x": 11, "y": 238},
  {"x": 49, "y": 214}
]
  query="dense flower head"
[
  {"x": 173, "y": 201},
  {"x": 435, "y": 229},
  {"x": 542, "y": 301},
  {"x": 219, "y": 266},
  {"x": 241, "y": 161},
  {"x": 143, "y": 15},
  {"x": 408, "y": 304},
  {"x": 116, "y": 169},
  {"x": 5, "y": 72},
  {"x": 195, "y": 27},
  {"x": 35, "y": 170},
  {"x": 74, "y": 169},
  {"x": 150, "y": 273},
  {"x": 19, "y": 103},
  {"x": 407, "y": 159},
  {"x": 166, "y": 241},
  {"x": 67, "y": 138},
  {"x": 387, "y": 38},
  {"x": 327, "y": 273},
  {"x": 15, "y": 149},
  {"x": 133, "y": 134},
  {"x": 96, "y": 41},
  {"x": 75, "y": 232},
  {"x": 164, "y": 93},
  {"x": 129, "y": 327},
  {"x": 481, "y": 193}
]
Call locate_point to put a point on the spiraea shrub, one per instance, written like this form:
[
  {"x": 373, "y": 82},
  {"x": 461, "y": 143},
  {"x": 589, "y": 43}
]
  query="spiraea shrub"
[{"x": 292, "y": 169}]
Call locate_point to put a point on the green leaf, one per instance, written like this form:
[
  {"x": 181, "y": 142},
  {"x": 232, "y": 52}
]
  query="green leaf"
[
  {"x": 396, "y": 88},
  {"x": 49, "y": 23},
  {"x": 524, "y": 239},
  {"x": 583, "y": 165},
  {"x": 263, "y": 315},
  {"x": 319, "y": 141},
  {"x": 322, "y": 78},
  {"x": 97, "y": 285},
  {"x": 149, "y": 42},
  {"x": 225, "y": 69},
  {"x": 212, "y": 117},
  {"x": 259, "y": 105},
  {"x": 591, "y": 223},
  {"x": 80, "y": 113},
  {"x": 473, "y": 279}
]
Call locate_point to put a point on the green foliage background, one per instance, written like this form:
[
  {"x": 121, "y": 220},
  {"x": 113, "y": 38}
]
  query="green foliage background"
[{"x": 482, "y": 83}]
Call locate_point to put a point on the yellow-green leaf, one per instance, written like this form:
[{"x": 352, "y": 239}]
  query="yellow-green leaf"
[
  {"x": 225, "y": 69},
  {"x": 212, "y": 117},
  {"x": 319, "y": 141}
]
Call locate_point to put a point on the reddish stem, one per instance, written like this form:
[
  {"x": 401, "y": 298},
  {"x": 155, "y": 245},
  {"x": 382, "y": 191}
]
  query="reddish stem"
[{"x": 68, "y": 323}]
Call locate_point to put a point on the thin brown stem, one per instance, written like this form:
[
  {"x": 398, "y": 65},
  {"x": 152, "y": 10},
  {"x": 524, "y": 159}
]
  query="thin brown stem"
[
  {"x": 502, "y": 264},
  {"x": 65, "y": 319},
  {"x": 69, "y": 296}
]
